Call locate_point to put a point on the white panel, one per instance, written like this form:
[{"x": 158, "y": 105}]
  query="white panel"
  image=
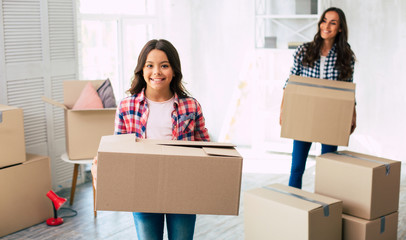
[
  {"x": 25, "y": 93},
  {"x": 22, "y": 31},
  {"x": 61, "y": 29}
]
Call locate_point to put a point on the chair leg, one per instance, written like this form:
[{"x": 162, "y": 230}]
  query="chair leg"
[
  {"x": 94, "y": 200},
  {"x": 74, "y": 179}
]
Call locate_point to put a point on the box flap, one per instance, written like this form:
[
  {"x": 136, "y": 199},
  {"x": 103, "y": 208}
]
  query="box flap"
[
  {"x": 187, "y": 143},
  {"x": 127, "y": 143},
  {"x": 215, "y": 151},
  {"x": 322, "y": 83},
  {"x": 296, "y": 198},
  {"x": 53, "y": 102},
  {"x": 359, "y": 159}
]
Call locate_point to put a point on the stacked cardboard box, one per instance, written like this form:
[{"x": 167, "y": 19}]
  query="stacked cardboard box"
[
  {"x": 24, "y": 178},
  {"x": 83, "y": 128},
  {"x": 369, "y": 187},
  {"x": 286, "y": 213},
  {"x": 318, "y": 110},
  {"x": 12, "y": 142},
  {"x": 23, "y": 189},
  {"x": 188, "y": 177}
]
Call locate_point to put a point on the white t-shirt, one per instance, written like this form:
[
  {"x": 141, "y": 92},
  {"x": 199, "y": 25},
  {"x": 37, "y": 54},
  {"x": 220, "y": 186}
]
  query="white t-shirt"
[
  {"x": 159, "y": 123},
  {"x": 322, "y": 65}
]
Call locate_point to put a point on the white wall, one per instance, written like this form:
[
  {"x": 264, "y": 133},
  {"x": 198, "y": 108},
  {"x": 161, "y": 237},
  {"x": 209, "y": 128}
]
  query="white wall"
[
  {"x": 214, "y": 39},
  {"x": 377, "y": 36}
]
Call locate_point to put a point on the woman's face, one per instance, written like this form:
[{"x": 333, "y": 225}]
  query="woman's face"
[
  {"x": 157, "y": 72},
  {"x": 330, "y": 25}
]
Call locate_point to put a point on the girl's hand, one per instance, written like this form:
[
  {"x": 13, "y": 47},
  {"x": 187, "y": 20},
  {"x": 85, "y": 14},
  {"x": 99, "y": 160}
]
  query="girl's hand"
[{"x": 94, "y": 171}]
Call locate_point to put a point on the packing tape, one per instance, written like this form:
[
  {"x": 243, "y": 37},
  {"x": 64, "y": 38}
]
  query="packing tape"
[
  {"x": 1, "y": 116},
  {"x": 321, "y": 86},
  {"x": 382, "y": 224},
  {"x": 326, "y": 208},
  {"x": 387, "y": 165}
]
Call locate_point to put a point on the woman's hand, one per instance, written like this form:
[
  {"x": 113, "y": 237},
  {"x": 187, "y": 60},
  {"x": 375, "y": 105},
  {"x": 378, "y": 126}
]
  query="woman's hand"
[
  {"x": 94, "y": 171},
  {"x": 354, "y": 121},
  {"x": 280, "y": 115}
]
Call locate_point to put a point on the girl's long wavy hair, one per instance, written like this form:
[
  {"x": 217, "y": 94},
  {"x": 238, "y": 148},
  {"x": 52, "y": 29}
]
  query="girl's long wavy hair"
[
  {"x": 138, "y": 81},
  {"x": 345, "y": 55}
]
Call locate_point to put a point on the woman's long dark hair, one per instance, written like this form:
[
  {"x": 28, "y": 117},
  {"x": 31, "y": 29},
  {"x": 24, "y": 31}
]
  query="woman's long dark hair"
[
  {"x": 345, "y": 55},
  {"x": 138, "y": 82}
]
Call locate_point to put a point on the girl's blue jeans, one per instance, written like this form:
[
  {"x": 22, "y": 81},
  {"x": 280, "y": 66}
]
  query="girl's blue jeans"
[
  {"x": 299, "y": 157},
  {"x": 150, "y": 226}
]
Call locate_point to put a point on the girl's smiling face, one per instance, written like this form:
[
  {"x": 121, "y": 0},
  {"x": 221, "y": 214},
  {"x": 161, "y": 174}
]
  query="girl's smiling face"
[
  {"x": 330, "y": 26},
  {"x": 157, "y": 73}
]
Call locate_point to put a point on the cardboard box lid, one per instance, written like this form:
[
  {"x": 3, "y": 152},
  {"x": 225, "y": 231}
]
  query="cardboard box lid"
[
  {"x": 321, "y": 83},
  {"x": 127, "y": 143},
  {"x": 295, "y": 198},
  {"x": 71, "y": 92},
  {"x": 7, "y": 108},
  {"x": 359, "y": 159},
  {"x": 4, "y": 108}
]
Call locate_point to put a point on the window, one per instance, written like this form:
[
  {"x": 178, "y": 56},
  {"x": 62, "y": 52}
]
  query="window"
[{"x": 111, "y": 35}]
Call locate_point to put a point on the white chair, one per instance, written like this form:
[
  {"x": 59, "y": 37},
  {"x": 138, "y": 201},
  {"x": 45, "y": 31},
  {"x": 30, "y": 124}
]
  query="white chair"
[{"x": 76, "y": 163}]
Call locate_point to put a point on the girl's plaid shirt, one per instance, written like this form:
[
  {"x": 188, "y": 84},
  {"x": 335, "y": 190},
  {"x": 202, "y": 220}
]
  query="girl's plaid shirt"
[
  {"x": 187, "y": 118},
  {"x": 330, "y": 70}
]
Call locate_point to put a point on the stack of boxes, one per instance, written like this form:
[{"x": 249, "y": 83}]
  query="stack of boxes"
[
  {"x": 316, "y": 110},
  {"x": 369, "y": 187},
  {"x": 25, "y": 179}
]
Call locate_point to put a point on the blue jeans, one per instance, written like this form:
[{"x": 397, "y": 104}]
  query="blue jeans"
[
  {"x": 299, "y": 157},
  {"x": 150, "y": 226}
]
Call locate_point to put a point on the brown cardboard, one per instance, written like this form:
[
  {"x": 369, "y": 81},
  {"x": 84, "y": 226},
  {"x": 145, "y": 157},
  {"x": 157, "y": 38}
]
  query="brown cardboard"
[
  {"x": 83, "y": 128},
  {"x": 272, "y": 212},
  {"x": 12, "y": 142},
  {"x": 361, "y": 181},
  {"x": 318, "y": 110},
  {"x": 147, "y": 176},
  {"x": 383, "y": 228},
  {"x": 23, "y": 190}
]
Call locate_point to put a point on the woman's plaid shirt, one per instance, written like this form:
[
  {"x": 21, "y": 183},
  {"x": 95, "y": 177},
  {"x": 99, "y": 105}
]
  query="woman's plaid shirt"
[
  {"x": 187, "y": 118},
  {"x": 330, "y": 70}
]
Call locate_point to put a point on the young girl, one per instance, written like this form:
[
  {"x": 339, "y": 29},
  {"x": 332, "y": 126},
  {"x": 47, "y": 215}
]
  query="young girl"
[
  {"x": 328, "y": 56},
  {"x": 159, "y": 108}
]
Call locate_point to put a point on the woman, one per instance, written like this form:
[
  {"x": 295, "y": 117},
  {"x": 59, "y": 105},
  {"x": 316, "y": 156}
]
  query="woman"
[
  {"x": 159, "y": 108},
  {"x": 328, "y": 56}
]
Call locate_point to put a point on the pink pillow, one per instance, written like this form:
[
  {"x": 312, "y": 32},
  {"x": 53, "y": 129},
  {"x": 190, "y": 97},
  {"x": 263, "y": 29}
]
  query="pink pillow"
[{"x": 88, "y": 99}]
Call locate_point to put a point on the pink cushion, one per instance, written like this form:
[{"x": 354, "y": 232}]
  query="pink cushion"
[{"x": 88, "y": 99}]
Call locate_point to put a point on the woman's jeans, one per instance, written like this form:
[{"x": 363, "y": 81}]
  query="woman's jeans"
[
  {"x": 299, "y": 157},
  {"x": 150, "y": 226}
]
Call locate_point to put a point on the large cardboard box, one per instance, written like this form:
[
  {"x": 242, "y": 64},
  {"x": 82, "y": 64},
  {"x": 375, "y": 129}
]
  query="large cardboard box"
[
  {"x": 83, "y": 128},
  {"x": 318, "y": 110},
  {"x": 383, "y": 228},
  {"x": 12, "y": 142},
  {"x": 369, "y": 186},
  {"x": 23, "y": 190},
  {"x": 285, "y": 213},
  {"x": 168, "y": 176}
]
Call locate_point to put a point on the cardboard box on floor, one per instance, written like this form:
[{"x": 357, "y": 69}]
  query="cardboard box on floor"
[
  {"x": 12, "y": 142},
  {"x": 369, "y": 186},
  {"x": 184, "y": 177},
  {"x": 285, "y": 213},
  {"x": 383, "y": 228},
  {"x": 83, "y": 128},
  {"x": 23, "y": 189},
  {"x": 318, "y": 110}
]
